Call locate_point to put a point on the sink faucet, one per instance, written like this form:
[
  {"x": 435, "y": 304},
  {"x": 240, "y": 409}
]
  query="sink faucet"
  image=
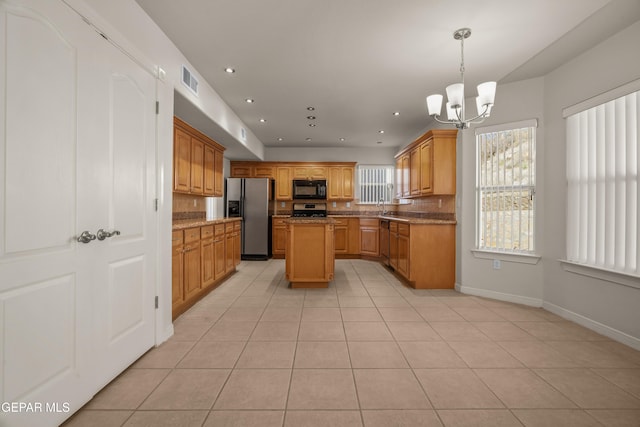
[{"x": 384, "y": 208}]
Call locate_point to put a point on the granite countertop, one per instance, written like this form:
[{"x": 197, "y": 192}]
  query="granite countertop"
[
  {"x": 188, "y": 223},
  {"x": 399, "y": 218},
  {"x": 302, "y": 220}
]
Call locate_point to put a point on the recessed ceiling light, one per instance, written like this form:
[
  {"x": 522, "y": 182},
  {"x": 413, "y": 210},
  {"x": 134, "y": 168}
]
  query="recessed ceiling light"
[
  {"x": 307, "y": 139},
  {"x": 380, "y": 131},
  {"x": 263, "y": 120},
  {"x": 396, "y": 113},
  {"x": 341, "y": 139},
  {"x": 311, "y": 108},
  {"x": 280, "y": 139},
  {"x": 379, "y": 142},
  {"x": 311, "y": 117},
  {"x": 312, "y": 125},
  {"x": 249, "y": 100},
  {"x": 229, "y": 70}
]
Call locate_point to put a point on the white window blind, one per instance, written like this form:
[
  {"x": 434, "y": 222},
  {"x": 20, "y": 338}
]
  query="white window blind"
[
  {"x": 505, "y": 187},
  {"x": 375, "y": 183},
  {"x": 603, "y": 191}
]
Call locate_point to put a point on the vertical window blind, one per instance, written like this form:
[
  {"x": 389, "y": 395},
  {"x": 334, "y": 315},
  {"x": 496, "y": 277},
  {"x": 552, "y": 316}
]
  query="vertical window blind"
[
  {"x": 505, "y": 187},
  {"x": 375, "y": 183},
  {"x": 602, "y": 179}
]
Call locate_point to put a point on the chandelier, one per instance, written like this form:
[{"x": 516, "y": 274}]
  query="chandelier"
[{"x": 455, "y": 95}]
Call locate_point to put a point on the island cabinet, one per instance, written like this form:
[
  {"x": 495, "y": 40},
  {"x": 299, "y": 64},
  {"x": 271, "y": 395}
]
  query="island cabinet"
[
  {"x": 197, "y": 162},
  {"x": 370, "y": 237},
  {"x": 278, "y": 236},
  {"x": 347, "y": 239},
  {"x": 428, "y": 165},
  {"x": 309, "y": 253},
  {"x": 423, "y": 254}
]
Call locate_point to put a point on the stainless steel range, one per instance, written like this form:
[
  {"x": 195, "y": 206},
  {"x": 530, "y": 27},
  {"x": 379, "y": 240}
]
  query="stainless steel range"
[{"x": 309, "y": 210}]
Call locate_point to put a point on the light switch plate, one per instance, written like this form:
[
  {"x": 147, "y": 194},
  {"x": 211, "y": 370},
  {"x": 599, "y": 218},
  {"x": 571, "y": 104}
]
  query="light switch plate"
[{"x": 497, "y": 265}]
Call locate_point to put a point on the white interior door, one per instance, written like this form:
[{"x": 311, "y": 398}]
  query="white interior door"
[{"x": 77, "y": 149}]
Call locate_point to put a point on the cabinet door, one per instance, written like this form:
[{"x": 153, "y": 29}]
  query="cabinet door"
[
  {"x": 192, "y": 279},
  {"x": 219, "y": 261},
  {"x": 218, "y": 180},
  {"x": 263, "y": 172},
  {"x": 369, "y": 241},
  {"x": 177, "y": 274},
  {"x": 181, "y": 161},
  {"x": 426, "y": 167},
  {"x": 317, "y": 172},
  {"x": 197, "y": 166},
  {"x": 399, "y": 178},
  {"x": 347, "y": 183},
  {"x": 341, "y": 239},
  {"x": 393, "y": 246},
  {"x": 354, "y": 236},
  {"x": 209, "y": 171},
  {"x": 405, "y": 175},
  {"x": 279, "y": 240},
  {"x": 335, "y": 183},
  {"x": 241, "y": 171},
  {"x": 237, "y": 244},
  {"x": 229, "y": 251},
  {"x": 414, "y": 172},
  {"x": 207, "y": 264},
  {"x": 283, "y": 183},
  {"x": 403, "y": 256}
]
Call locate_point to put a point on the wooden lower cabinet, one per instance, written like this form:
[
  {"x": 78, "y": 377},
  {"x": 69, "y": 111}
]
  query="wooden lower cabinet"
[
  {"x": 278, "y": 237},
  {"x": 424, "y": 254},
  {"x": 309, "y": 254},
  {"x": 201, "y": 258},
  {"x": 346, "y": 238},
  {"x": 369, "y": 237}
]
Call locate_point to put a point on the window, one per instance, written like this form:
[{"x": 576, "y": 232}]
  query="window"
[
  {"x": 375, "y": 183},
  {"x": 505, "y": 187},
  {"x": 602, "y": 181}
]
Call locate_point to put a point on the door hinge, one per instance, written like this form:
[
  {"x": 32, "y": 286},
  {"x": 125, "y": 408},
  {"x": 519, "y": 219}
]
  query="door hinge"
[
  {"x": 156, "y": 302},
  {"x": 157, "y": 107},
  {"x": 155, "y": 204}
]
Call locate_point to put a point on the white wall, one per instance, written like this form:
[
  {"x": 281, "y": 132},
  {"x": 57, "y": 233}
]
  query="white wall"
[
  {"x": 364, "y": 155},
  {"x": 601, "y": 304},
  {"x": 514, "y": 281}
]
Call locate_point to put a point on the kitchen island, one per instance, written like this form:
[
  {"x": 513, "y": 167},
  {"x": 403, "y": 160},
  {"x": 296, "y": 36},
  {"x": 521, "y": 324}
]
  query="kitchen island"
[{"x": 309, "y": 252}]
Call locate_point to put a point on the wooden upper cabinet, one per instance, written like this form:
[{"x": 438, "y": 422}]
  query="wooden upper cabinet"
[
  {"x": 218, "y": 182},
  {"x": 284, "y": 188},
  {"x": 340, "y": 183},
  {"x": 309, "y": 172},
  {"x": 197, "y": 166},
  {"x": 428, "y": 165},
  {"x": 260, "y": 171},
  {"x": 197, "y": 162},
  {"x": 181, "y": 161},
  {"x": 240, "y": 171},
  {"x": 414, "y": 172},
  {"x": 209, "y": 171}
]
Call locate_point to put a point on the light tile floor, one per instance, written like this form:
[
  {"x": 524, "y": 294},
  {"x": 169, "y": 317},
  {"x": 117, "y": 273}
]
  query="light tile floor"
[{"x": 369, "y": 351}]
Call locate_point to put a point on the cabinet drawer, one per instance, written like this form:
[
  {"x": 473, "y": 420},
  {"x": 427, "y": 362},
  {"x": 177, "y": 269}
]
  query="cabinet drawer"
[
  {"x": 191, "y": 234},
  {"x": 393, "y": 227},
  {"x": 342, "y": 221},
  {"x": 237, "y": 226},
  {"x": 228, "y": 227},
  {"x": 369, "y": 222},
  {"x": 218, "y": 229},
  {"x": 279, "y": 222},
  {"x": 403, "y": 229},
  {"x": 176, "y": 238},
  {"x": 206, "y": 231}
]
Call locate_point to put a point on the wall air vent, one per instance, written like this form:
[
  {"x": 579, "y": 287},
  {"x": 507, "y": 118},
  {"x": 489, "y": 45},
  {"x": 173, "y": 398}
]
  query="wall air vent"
[{"x": 189, "y": 80}]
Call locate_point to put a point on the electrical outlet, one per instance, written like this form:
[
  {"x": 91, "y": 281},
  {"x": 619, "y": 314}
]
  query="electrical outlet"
[
  {"x": 195, "y": 203},
  {"x": 282, "y": 204},
  {"x": 334, "y": 204},
  {"x": 348, "y": 204},
  {"x": 439, "y": 203},
  {"x": 497, "y": 265}
]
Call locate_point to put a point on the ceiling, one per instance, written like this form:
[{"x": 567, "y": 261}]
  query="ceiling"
[{"x": 356, "y": 62}]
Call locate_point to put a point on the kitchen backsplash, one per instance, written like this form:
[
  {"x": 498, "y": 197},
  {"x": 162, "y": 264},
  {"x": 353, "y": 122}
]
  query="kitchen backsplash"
[{"x": 186, "y": 206}]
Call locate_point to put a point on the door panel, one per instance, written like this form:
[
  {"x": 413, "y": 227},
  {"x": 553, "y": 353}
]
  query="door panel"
[{"x": 77, "y": 144}]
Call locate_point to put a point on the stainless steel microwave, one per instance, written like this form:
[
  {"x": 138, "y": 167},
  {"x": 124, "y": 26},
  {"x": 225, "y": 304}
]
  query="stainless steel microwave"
[{"x": 310, "y": 189}]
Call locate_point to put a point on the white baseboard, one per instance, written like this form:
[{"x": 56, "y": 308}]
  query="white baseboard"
[
  {"x": 518, "y": 299},
  {"x": 598, "y": 327}
]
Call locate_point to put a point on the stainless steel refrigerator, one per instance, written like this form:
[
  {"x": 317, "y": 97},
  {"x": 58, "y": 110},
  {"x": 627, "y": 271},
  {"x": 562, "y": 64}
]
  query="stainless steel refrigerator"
[{"x": 249, "y": 198}]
